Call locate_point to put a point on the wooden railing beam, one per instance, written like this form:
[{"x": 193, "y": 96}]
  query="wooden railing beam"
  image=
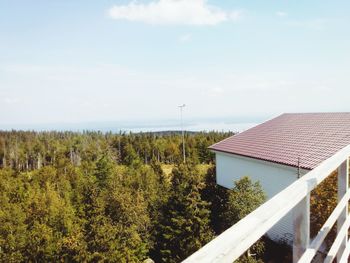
[
  {"x": 325, "y": 229},
  {"x": 301, "y": 224},
  {"x": 344, "y": 258},
  {"x": 343, "y": 187},
  {"x": 334, "y": 250},
  {"x": 233, "y": 242}
]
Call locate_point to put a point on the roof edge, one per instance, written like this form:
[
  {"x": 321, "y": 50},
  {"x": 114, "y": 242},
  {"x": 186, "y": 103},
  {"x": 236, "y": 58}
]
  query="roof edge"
[
  {"x": 262, "y": 159},
  {"x": 238, "y": 133}
]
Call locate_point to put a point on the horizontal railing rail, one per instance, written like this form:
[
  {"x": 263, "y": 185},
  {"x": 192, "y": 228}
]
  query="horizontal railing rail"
[
  {"x": 236, "y": 240},
  {"x": 325, "y": 229}
]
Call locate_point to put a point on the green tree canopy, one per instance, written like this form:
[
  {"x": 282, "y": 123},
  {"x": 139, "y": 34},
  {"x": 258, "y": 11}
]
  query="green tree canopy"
[
  {"x": 244, "y": 197},
  {"x": 184, "y": 226}
]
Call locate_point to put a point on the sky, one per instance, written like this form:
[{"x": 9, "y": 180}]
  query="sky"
[{"x": 85, "y": 61}]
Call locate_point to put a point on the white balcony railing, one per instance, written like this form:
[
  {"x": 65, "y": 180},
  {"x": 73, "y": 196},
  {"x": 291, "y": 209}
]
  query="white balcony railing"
[{"x": 232, "y": 243}]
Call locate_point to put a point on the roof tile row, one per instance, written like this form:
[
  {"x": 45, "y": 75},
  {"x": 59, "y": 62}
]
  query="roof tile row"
[{"x": 304, "y": 139}]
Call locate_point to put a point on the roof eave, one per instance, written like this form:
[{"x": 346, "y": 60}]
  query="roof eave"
[{"x": 261, "y": 159}]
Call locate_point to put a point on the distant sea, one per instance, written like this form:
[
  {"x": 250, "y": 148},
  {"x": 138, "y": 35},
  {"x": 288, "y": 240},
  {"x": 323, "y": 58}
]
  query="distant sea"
[
  {"x": 135, "y": 127},
  {"x": 225, "y": 127}
]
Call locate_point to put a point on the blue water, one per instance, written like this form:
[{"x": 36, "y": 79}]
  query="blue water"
[
  {"x": 139, "y": 126},
  {"x": 220, "y": 126}
]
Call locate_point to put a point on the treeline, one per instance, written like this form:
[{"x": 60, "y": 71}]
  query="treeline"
[
  {"x": 97, "y": 197},
  {"x": 26, "y": 151}
]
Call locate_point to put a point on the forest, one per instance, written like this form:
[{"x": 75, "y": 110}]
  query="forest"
[{"x": 105, "y": 197}]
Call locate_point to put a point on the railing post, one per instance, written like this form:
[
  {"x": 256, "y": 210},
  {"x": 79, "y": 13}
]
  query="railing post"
[
  {"x": 343, "y": 186},
  {"x": 301, "y": 225}
]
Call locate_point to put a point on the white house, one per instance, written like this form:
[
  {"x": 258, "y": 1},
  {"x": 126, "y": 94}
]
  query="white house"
[{"x": 277, "y": 152}]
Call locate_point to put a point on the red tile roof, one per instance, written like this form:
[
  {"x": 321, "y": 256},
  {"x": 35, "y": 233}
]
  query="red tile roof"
[{"x": 309, "y": 137}]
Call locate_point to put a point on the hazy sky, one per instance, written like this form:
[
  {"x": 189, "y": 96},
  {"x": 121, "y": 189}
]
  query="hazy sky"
[{"x": 77, "y": 61}]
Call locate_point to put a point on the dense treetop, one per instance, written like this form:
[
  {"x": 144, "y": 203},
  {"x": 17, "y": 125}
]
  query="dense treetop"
[
  {"x": 103, "y": 197},
  {"x": 25, "y": 151}
]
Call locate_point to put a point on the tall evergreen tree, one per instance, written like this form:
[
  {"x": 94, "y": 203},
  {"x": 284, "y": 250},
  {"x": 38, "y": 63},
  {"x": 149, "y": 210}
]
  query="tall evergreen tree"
[
  {"x": 104, "y": 169},
  {"x": 245, "y": 197},
  {"x": 217, "y": 196},
  {"x": 184, "y": 226}
]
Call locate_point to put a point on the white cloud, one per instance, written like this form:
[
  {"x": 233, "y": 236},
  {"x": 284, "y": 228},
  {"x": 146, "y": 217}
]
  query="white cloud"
[
  {"x": 185, "y": 38},
  {"x": 281, "y": 14},
  {"x": 173, "y": 12}
]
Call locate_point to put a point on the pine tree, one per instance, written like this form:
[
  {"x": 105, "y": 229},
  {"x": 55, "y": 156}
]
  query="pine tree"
[
  {"x": 184, "y": 227},
  {"x": 217, "y": 196},
  {"x": 245, "y": 197},
  {"x": 104, "y": 169}
]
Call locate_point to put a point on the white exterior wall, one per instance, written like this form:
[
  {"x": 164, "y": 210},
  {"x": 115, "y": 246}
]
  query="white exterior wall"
[{"x": 272, "y": 177}]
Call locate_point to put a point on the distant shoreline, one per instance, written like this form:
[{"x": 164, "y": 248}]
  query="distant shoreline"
[{"x": 118, "y": 128}]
